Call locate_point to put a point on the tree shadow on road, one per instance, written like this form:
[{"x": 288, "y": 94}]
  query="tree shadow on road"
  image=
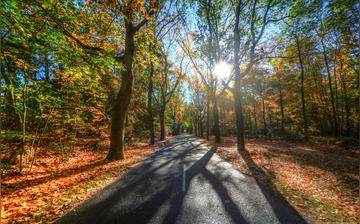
[
  {"x": 200, "y": 168},
  {"x": 105, "y": 206}
]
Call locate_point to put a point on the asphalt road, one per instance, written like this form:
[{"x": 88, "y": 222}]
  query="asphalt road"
[{"x": 155, "y": 192}]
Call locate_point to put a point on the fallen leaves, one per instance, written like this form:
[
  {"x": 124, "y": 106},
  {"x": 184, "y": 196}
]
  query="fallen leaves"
[
  {"x": 54, "y": 186},
  {"x": 320, "y": 180}
]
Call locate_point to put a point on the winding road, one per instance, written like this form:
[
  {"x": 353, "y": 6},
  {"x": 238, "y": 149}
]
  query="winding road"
[{"x": 184, "y": 182}]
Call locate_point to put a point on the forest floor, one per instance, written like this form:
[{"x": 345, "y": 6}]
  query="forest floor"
[
  {"x": 58, "y": 182},
  {"x": 320, "y": 179}
]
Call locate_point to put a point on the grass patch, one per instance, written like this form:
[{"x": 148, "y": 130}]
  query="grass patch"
[{"x": 313, "y": 205}]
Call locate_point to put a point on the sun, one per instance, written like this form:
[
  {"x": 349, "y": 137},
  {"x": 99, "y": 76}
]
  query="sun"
[{"x": 222, "y": 70}]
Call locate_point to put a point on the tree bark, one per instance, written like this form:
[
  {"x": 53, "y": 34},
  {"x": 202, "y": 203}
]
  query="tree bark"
[
  {"x": 162, "y": 123},
  {"x": 23, "y": 123},
  {"x": 238, "y": 95},
  {"x": 208, "y": 117},
  {"x": 346, "y": 102},
  {"x": 123, "y": 98},
  {"x": 216, "y": 120}
]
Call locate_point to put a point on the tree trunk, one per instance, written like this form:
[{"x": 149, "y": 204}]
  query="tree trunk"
[
  {"x": 122, "y": 101},
  {"x": 358, "y": 104},
  {"x": 336, "y": 96},
  {"x": 342, "y": 113},
  {"x": 162, "y": 123},
  {"x": 175, "y": 127},
  {"x": 346, "y": 102},
  {"x": 331, "y": 90},
  {"x": 208, "y": 117},
  {"x": 238, "y": 95},
  {"x": 302, "y": 79},
  {"x": 23, "y": 123},
  {"x": 149, "y": 106},
  {"x": 196, "y": 125},
  {"x": 248, "y": 113},
  {"x": 282, "y": 112},
  {"x": 264, "y": 114},
  {"x": 201, "y": 127},
  {"x": 255, "y": 119},
  {"x": 12, "y": 111},
  {"x": 270, "y": 124},
  {"x": 216, "y": 120}
]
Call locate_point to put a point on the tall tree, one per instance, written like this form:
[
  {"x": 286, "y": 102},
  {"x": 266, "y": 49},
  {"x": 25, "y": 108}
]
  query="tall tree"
[
  {"x": 260, "y": 14},
  {"x": 130, "y": 11}
]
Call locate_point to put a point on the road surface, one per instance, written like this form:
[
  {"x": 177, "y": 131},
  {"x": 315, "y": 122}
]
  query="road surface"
[{"x": 184, "y": 182}]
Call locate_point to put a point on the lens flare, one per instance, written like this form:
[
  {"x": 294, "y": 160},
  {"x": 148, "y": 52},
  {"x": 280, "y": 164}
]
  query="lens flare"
[{"x": 222, "y": 70}]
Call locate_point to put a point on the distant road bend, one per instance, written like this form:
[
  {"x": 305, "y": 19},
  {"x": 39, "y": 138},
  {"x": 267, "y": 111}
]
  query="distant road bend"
[{"x": 159, "y": 191}]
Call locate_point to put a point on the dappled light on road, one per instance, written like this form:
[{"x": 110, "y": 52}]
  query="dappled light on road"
[{"x": 214, "y": 192}]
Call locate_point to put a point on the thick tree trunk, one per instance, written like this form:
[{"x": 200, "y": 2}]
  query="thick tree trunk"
[
  {"x": 239, "y": 113},
  {"x": 216, "y": 121},
  {"x": 122, "y": 101},
  {"x": 238, "y": 96},
  {"x": 302, "y": 91},
  {"x": 119, "y": 111}
]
